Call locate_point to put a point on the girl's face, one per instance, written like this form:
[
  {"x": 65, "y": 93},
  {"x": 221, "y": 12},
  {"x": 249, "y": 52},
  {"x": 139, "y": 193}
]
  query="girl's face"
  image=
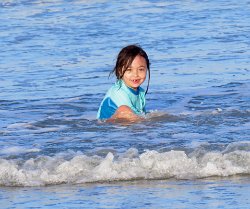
[{"x": 136, "y": 74}]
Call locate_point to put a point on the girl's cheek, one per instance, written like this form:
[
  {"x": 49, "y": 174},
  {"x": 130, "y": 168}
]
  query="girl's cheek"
[{"x": 143, "y": 74}]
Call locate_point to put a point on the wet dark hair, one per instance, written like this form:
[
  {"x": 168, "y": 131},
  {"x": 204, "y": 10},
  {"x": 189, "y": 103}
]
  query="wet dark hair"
[{"x": 125, "y": 59}]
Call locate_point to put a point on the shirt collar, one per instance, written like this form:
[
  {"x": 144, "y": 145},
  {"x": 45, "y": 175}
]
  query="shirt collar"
[{"x": 135, "y": 92}]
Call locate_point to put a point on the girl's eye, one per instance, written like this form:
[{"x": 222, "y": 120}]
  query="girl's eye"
[
  {"x": 142, "y": 69},
  {"x": 129, "y": 69}
]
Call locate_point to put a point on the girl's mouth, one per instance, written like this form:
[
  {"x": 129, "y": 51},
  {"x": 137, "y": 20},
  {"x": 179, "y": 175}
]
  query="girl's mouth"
[{"x": 135, "y": 81}]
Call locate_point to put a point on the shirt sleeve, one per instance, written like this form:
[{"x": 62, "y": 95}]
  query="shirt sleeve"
[{"x": 120, "y": 97}]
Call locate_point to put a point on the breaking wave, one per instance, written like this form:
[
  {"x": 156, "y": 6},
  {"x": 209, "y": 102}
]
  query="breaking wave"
[{"x": 77, "y": 168}]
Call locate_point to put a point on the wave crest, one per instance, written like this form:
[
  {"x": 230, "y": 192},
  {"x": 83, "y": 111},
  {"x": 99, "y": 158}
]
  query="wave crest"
[{"x": 151, "y": 164}]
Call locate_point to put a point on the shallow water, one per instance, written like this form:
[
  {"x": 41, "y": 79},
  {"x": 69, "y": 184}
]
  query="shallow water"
[
  {"x": 211, "y": 193},
  {"x": 56, "y": 58}
]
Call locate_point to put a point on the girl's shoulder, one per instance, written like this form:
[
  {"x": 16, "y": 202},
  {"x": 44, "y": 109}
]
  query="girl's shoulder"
[{"x": 117, "y": 89}]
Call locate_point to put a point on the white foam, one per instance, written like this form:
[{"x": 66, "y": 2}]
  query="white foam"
[
  {"x": 73, "y": 99},
  {"x": 216, "y": 111},
  {"x": 20, "y": 125},
  {"x": 18, "y": 150},
  {"x": 24, "y": 127},
  {"x": 151, "y": 164}
]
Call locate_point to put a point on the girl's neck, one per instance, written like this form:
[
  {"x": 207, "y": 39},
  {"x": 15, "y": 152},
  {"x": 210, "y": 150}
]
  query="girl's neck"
[{"x": 134, "y": 91}]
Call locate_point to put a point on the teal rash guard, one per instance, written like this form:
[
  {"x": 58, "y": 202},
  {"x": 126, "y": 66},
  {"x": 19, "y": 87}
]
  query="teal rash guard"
[{"x": 120, "y": 94}]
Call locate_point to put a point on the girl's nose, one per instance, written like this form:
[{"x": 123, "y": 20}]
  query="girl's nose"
[{"x": 135, "y": 73}]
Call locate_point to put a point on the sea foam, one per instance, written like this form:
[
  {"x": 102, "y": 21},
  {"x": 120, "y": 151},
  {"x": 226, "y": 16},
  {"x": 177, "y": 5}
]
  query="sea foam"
[{"x": 46, "y": 170}]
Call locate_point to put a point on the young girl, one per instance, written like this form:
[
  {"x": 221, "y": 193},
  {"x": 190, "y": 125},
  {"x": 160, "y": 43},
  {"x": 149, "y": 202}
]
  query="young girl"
[{"x": 126, "y": 99}]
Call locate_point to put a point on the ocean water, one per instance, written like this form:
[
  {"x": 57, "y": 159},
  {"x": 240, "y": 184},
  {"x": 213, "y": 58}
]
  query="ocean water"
[{"x": 193, "y": 149}]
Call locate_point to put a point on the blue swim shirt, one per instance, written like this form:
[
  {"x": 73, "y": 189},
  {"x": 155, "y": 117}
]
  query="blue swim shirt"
[{"x": 120, "y": 94}]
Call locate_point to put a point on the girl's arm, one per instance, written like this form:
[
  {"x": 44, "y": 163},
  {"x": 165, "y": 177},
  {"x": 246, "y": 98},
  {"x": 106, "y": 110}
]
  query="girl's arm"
[{"x": 124, "y": 113}]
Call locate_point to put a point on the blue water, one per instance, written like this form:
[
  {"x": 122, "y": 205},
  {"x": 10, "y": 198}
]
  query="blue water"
[{"x": 193, "y": 149}]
